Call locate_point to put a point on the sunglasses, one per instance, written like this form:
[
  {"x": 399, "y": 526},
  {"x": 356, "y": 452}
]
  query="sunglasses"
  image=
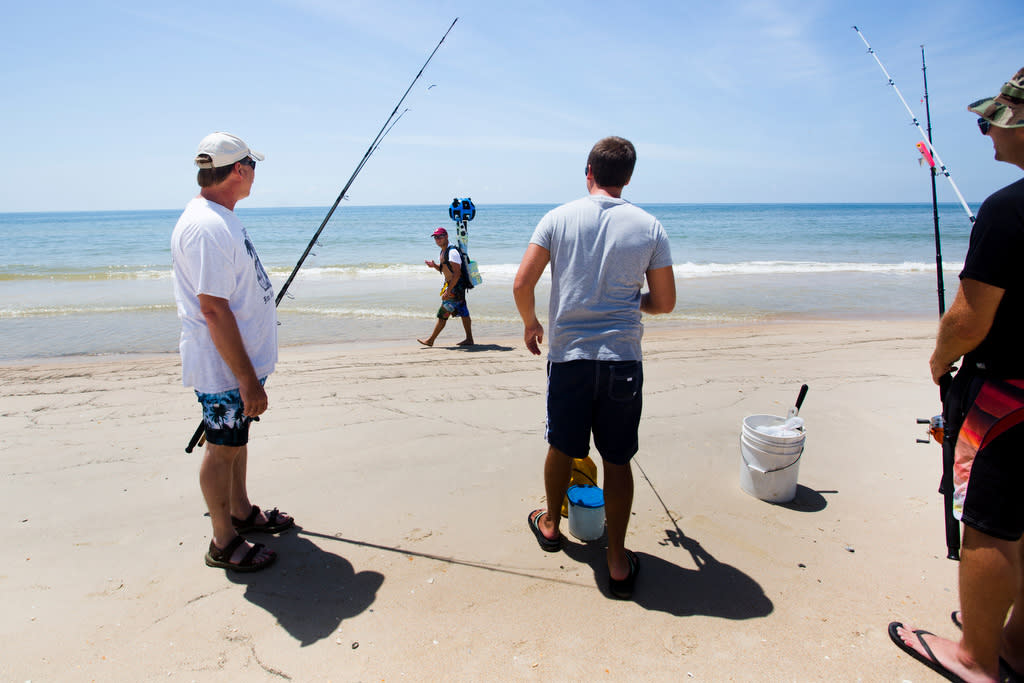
[
  {"x": 248, "y": 161},
  {"x": 984, "y": 125}
]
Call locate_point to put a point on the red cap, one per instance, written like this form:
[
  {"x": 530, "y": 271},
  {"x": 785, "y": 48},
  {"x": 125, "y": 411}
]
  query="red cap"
[{"x": 439, "y": 232}]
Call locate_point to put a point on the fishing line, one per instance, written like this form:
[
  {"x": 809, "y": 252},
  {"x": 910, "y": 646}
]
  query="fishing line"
[
  {"x": 680, "y": 536},
  {"x": 197, "y": 438},
  {"x": 927, "y": 139}
]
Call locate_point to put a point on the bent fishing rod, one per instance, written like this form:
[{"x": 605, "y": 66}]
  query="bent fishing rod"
[
  {"x": 198, "y": 436},
  {"x": 927, "y": 139}
]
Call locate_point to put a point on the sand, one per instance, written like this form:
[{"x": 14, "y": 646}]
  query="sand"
[{"x": 411, "y": 472}]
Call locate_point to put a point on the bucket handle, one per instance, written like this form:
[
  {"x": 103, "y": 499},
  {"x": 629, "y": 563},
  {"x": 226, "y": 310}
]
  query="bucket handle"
[{"x": 777, "y": 469}]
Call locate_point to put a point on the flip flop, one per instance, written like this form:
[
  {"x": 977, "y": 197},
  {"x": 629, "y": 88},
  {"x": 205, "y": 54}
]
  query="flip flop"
[
  {"x": 551, "y": 545},
  {"x": 221, "y": 557},
  {"x": 1006, "y": 672},
  {"x": 271, "y": 526},
  {"x": 623, "y": 588},
  {"x": 930, "y": 661}
]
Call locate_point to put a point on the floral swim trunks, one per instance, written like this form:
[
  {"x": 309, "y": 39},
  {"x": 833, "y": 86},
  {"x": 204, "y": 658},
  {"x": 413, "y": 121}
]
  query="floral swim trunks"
[{"x": 223, "y": 417}]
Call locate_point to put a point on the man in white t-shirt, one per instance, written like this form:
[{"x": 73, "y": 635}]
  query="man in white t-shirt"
[
  {"x": 228, "y": 344},
  {"x": 601, "y": 249}
]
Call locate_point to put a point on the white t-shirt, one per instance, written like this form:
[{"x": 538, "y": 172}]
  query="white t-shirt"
[
  {"x": 212, "y": 254},
  {"x": 601, "y": 249}
]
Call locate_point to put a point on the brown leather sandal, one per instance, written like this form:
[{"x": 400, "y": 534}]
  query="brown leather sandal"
[
  {"x": 221, "y": 557},
  {"x": 272, "y": 525}
]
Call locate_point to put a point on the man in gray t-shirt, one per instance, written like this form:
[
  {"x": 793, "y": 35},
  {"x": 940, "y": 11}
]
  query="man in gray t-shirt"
[{"x": 601, "y": 249}]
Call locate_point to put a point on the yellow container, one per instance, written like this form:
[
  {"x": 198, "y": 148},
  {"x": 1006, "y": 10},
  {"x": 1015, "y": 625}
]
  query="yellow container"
[{"x": 584, "y": 473}]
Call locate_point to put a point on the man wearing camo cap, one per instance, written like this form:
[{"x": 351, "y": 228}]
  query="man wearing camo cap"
[{"x": 984, "y": 420}]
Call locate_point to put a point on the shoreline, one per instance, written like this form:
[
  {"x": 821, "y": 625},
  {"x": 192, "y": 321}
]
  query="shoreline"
[{"x": 505, "y": 333}]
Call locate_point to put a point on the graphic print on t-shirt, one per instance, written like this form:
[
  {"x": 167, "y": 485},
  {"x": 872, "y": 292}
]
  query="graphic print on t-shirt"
[{"x": 261, "y": 274}]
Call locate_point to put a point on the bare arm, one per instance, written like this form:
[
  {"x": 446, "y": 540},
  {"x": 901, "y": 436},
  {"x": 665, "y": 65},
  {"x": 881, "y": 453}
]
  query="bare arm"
[
  {"x": 662, "y": 295},
  {"x": 228, "y": 340},
  {"x": 452, "y": 278},
  {"x": 535, "y": 260},
  {"x": 965, "y": 324}
]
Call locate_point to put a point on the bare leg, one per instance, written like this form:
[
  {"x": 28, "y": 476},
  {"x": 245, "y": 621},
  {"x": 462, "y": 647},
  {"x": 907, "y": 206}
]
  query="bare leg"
[
  {"x": 557, "y": 472},
  {"x": 989, "y": 582},
  {"x": 217, "y": 477},
  {"x": 429, "y": 341},
  {"x": 240, "y": 505},
  {"x": 618, "y": 502},
  {"x": 467, "y": 324},
  {"x": 1013, "y": 633}
]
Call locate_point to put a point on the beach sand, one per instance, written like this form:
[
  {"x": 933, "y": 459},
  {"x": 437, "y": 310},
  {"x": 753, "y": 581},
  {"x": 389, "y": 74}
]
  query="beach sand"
[{"x": 411, "y": 472}]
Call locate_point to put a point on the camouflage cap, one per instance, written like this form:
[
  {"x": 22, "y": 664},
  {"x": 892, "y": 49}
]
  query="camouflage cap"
[{"x": 1006, "y": 109}]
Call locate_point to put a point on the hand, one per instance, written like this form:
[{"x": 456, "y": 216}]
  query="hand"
[
  {"x": 939, "y": 369},
  {"x": 431, "y": 264},
  {"x": 533, "y": 335},
  {"x": 254, "y": 398}
]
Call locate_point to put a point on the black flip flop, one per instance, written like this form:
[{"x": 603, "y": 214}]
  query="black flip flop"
[
  {"x": 623, "y": 588},
  {"x": 551, "y": 545},
  {"x": 930, "y": 661}
]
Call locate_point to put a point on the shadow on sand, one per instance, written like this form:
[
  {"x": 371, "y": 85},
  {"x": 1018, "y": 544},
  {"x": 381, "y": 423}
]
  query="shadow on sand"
[
  {"x": 713, "y": 589},
  {"x": 475, "y": 348},
  {"x": 806, "y": 500},
  {"x": 318, "y": 592}
]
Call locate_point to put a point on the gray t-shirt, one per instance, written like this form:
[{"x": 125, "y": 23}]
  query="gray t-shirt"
[{"x": 601, "y": 248}]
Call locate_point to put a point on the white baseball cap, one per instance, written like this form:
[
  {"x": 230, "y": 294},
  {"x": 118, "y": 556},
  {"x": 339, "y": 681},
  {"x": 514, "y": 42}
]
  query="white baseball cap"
[{"x": 223, "y": 149}]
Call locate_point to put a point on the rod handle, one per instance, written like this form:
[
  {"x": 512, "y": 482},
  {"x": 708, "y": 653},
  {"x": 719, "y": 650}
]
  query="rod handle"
[{"x": 197, "y": 438}]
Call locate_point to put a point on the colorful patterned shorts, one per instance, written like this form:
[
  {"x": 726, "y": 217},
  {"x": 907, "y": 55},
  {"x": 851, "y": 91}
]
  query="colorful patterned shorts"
[
  {"x": 453, "y": 307},
  {"x": 224, "y": 419}
]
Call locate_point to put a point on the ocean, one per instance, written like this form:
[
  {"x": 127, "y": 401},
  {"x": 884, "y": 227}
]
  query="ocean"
[{"x": 99, "y": 283}]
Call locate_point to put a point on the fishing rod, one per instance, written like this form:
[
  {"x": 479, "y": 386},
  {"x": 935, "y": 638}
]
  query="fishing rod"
[
  {"x": 938, "y": 431},
  {"x": 936, "y": 424},
  {"x": 927, "y": 140},
  {"x": 198, "y": 436},
  {"x": 935, "y": 202}
]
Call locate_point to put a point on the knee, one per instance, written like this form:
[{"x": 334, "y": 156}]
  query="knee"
[{"x": 222, "y": 454}]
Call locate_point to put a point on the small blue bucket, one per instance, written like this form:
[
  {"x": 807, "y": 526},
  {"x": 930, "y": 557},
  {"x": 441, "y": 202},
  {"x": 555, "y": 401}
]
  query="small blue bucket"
[{"x": 586, "y": 512}]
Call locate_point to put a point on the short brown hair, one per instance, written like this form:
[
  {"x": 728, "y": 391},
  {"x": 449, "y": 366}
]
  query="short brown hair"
[
  {"x": 611, "y": 161},
  {"x": 208, "y": 177}
]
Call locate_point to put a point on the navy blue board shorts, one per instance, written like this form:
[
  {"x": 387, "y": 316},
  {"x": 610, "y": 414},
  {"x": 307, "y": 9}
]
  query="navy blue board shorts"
[{"x": 603, "y": 398}]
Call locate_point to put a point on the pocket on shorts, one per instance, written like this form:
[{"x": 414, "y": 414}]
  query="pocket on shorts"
[{"x": 625, "y": 381}]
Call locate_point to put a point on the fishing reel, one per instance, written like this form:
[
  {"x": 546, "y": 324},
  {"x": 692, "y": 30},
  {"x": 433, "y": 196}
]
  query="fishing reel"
[
  {"x": 936, "y": 429},
  {"x": 462, "y": 210}
]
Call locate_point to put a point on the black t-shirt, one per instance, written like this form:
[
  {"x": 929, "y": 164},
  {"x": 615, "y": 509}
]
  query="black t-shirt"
[{"x": 996, "y": 257}]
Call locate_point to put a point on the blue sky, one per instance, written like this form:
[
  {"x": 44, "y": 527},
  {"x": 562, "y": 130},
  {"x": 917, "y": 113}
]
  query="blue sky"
[{"x": 731, "y": 101}]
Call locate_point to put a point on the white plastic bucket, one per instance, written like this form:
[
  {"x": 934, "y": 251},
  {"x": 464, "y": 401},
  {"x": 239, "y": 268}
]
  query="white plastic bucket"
[
  {"x": 769, "y": 464},
  {"x": 586, "y": 512}
]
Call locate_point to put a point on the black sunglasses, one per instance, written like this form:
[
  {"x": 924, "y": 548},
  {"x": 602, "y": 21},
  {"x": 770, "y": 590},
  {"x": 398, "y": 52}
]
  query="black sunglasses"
[
  {"x": 984, "y": 125},
  {"x": 248, "y": 161}
]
